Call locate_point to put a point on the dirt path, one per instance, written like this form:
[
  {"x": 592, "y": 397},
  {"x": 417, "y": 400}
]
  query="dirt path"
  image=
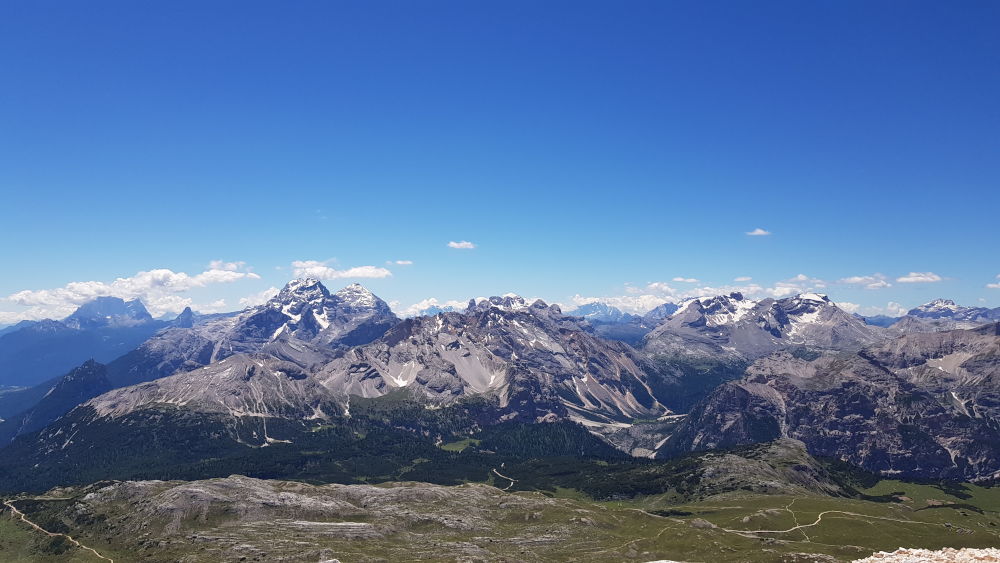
[
  {"x": 819, "y": 519},
  {"x": 72, "y": 540},
  {"x": 512, "y": 481}
]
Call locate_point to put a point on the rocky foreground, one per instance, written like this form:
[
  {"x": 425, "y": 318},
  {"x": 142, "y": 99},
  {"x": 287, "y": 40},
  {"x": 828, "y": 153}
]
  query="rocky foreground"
[{"x": 947, "y": 555}]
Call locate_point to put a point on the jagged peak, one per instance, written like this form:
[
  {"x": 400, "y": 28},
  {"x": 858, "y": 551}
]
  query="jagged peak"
[
  {"x": 302, "y": 289},
  {"x": 506, "y": 302},
  {"x": 937, "y": 304}
]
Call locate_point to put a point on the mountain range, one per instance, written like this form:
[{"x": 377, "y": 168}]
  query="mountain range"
[
  {"x": 716, "y": 372},
  {"x": 35, "y": 351}
]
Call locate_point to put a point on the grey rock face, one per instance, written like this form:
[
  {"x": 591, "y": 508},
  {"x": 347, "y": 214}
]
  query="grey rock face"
[
  {"x": 533, "y": 359},
  {"x": 919, "y": 406},
  {"x": 534, "y": 362},
  {"x": 237, "y": 386}
]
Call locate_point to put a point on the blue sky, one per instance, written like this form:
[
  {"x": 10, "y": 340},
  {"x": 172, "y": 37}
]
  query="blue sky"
[{"x": 586, "y": 149}]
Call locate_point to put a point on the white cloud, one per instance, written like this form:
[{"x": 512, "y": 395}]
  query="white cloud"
[
  {"x": 642, "y": 299},
  {"x": 217, "y": 306},
  {"x": 420, "y": 306},
  {"x": 742, "y": 279},
  {"x": 157, "y": 289},
  {"x": 849, "y": 307},
  {"x": 994, "y": 285},
  {"x": 400, "y": 262},
  {"x": 685, "y": 280},
  {"x": 636, "y": 304},
  {"x": 891, "y": 309},
  {"x": 919, "y": 277},
  {"x": 258, "y": 298},
  {"x": 758, "y": 232},
  {"x": 319, "y": 270},
  {"x": 874, "y": 281},
  {"x": 230, "y": 266},
  {"x": 659, "y": 287},
  {"x": 462, "y": 244},
  {"x": 798, "y": 284}
]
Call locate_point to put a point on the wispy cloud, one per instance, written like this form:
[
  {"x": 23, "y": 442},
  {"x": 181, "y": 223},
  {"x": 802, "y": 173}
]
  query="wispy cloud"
[
  {"x": 995, "y": 285},
  {"x": 919, "y": 277},
  {"x": 400, "y": 262},
  {"x": 874, "y": 281},
  {"x": 742, "y": 279},
  {"x": 758, "y": 232},
  {"x": 462, "y": 244},
  {"x": 685, "y": 280},
  {"x": 259, "y": 298},
  {"x": 321, "y": 271},
  {"x": 159, "y": 290},
  {"x": 891, "y": 309}
]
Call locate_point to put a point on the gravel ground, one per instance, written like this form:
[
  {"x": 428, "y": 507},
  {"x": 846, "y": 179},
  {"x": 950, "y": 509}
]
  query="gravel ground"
[{"x": 946, "y": 555}]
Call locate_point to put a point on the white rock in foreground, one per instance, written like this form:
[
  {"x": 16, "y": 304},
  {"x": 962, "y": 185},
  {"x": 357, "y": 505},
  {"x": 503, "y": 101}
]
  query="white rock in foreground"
[{"x": 946, "y": 555}]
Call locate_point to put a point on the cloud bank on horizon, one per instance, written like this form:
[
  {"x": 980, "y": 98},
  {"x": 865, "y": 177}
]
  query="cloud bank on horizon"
[{"x": 165, "y": 291}]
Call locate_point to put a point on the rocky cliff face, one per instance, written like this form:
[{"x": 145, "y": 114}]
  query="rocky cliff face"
[
  {"x": 258, "y": 387},
  {"x": 919, "y": 406},
  {"x": 534, "y": 360}
]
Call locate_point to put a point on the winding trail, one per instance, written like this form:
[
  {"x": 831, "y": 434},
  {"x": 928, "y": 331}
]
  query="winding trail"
[
  {"x": 819, "y": 519},
  {"x": 71, "y": 539},
  {"x": 512, "y": 481}
]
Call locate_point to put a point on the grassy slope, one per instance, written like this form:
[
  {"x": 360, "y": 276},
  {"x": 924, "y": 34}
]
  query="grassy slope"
[{"x": 643, "y": 529}]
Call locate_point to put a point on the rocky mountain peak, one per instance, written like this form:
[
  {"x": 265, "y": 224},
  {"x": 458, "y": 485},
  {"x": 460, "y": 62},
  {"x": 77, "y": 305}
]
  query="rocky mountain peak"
[
  {"x": 109, "y": 311},
  {"x": 936, "y": 309},
  {"x": 661, "y": 312},
  {"x": 714, "y": 311},
  {"x": 946, "y": 313},
  {"x": 507, "y": 302},
  {"x": 601, "y": 312},
  {"x": 358, "y": 297},
  {"x": 308, "y": 290},
  {"x": 185, "y": 319}
]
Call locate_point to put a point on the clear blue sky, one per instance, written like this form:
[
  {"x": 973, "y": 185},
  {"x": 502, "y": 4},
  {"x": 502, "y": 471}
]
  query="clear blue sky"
[{"x": 585, "y": 148}]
